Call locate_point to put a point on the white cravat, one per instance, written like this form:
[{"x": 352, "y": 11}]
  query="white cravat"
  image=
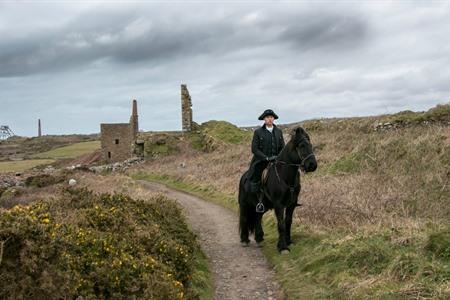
[{"x": 269, "y": 128}]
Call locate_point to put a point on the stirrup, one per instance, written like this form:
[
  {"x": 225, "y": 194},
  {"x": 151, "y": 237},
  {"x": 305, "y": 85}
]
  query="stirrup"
[{"x": 260, "y": 207}]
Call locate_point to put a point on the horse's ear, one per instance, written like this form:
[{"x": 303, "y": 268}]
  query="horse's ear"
[{"x": 294, "y": 132}]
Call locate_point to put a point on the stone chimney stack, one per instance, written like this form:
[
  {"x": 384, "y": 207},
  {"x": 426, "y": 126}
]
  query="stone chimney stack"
[
  {"x": 134, "y": 122},
  {"x": 39, "y": 128},
  {"x": 186, "y": 109}
]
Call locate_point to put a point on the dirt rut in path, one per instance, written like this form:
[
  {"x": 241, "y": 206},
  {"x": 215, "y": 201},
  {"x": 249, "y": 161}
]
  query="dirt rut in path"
[{"x": 238, "y": 272}]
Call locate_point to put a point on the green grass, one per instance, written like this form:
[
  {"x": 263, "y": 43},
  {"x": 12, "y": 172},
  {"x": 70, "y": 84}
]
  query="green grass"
[
  {"x": 342, "y": 265},
  {"x": 350, "y": 163},
  {"x": 70, "y": 151},
  {"x": 22, "y": 165},
  {"x": 160, "y": 144},
  {"x": 225, "y": 132},
  {"x": 205, "y": 192},
  {"x": 201, "y": 279}
]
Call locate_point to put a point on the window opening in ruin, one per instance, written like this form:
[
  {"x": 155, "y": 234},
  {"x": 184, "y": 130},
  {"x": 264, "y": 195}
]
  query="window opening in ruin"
[
  {"x": 109, "y": 154},
  {"x": 116, "y": 141}
]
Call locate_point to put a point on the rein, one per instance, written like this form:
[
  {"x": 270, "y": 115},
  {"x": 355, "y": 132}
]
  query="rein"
[
  {"x": 296, "y": 165},
  {"x": 260, "y": 206},
  {"x": 301, "y": 164}
]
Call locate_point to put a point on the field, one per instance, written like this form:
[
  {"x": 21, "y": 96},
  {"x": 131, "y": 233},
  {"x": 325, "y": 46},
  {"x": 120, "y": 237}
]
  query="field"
[
  {"x": 70, "y": 151},
  {"x": 51, "y": 156},
  {"x": 22, "y": 147},
  {"x": 375, "y": 215},
  {"x": 22, "y": 165},
  {"x": 374, "y": 221}
]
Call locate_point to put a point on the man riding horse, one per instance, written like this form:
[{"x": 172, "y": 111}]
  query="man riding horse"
[
  {"x": 281, "y": 187},
  {"x": 267, "y": 143}
]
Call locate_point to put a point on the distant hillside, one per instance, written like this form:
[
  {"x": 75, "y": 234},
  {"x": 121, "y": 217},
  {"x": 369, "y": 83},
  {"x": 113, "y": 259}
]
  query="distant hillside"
[
  {"x": 439, "y": 114},
  {"x": 22, "y": 148}
]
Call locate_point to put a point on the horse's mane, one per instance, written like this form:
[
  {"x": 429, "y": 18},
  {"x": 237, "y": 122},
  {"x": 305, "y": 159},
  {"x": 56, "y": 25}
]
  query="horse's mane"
[{"x": 292, "y": 143}]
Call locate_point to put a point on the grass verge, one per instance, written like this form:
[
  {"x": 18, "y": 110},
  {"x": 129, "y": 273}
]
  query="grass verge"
[
  {"x": 382, "y": 264},
  {"x": 70, "y": 151},
  {"x": 22, "y": 165}
]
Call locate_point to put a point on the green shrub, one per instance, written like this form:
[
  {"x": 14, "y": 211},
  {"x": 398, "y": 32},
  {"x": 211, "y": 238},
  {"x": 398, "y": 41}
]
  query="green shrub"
[
  {"x": 96, "y": 247},
  {"x": 347, "y": 164},
  {"x": 160, "y": 144},
  {"x": 438, "y": 244},
  {"x": 43, "y": 180},
  {"x": 2, "y": 190}
]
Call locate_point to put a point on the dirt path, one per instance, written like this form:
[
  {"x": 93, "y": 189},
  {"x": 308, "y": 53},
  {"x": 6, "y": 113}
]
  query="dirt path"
[{"x": 238, "y": 272}]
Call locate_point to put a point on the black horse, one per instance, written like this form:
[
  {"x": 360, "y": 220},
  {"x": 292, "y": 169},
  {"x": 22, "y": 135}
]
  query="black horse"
[{"x": 281, "y": 190}]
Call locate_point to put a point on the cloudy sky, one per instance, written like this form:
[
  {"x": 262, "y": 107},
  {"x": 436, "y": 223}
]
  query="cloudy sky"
[{"x": 77, "y": 64}]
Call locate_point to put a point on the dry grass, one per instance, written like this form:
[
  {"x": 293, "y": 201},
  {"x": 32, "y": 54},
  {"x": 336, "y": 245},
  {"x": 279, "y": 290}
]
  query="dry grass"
[
  {"x": 374, "y": 221},
  {"x": 395, "y": 179}
]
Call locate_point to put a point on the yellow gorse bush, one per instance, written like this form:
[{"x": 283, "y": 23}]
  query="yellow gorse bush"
[{"x": 97, "y": 247}]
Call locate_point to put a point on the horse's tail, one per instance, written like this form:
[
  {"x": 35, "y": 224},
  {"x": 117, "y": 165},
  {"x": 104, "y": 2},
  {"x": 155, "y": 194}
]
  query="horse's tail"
[{"x": 247, "y": 213}]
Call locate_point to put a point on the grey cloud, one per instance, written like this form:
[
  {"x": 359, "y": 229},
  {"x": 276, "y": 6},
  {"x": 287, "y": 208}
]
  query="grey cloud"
[
  {"x": 95, "y": 36},
  {"x": 84, "y": 67}
]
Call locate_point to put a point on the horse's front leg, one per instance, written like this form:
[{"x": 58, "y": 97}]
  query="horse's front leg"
[
  {"x": 289, "y": 216},
  {"x": 279, "y": 212}
]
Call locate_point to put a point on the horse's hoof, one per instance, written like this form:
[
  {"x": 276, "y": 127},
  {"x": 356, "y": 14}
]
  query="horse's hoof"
[
  {"x": 245, "y": 244},
  {"x": 285, "y": 251}
]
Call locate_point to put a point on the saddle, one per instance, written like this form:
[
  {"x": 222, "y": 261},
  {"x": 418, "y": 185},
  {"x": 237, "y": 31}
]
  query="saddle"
[
  {"x": 264, "y": 175},
  {"x": 256, "y": 186}
]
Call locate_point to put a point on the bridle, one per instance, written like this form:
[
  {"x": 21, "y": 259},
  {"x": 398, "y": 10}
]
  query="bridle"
[{"x": 301, "y": 164}]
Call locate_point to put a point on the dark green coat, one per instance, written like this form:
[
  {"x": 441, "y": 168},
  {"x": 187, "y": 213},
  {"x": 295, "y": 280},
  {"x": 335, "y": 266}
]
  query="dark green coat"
[{"x": 266, "y": 144}]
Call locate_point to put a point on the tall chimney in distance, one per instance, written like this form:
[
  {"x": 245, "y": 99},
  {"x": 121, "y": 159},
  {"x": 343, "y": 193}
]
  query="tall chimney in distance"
[
  {"x": 134, "y": 120},
  {"x": 39, "y": 128}
]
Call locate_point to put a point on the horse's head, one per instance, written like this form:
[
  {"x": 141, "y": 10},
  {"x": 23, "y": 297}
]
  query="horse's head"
[{"x": 304, "y": 149}]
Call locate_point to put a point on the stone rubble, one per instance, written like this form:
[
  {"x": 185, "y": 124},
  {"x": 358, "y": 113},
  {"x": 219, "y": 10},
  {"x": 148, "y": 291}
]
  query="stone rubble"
[
  {"x": 118, "y": 166},
  {"x": 385, "y": 126}
]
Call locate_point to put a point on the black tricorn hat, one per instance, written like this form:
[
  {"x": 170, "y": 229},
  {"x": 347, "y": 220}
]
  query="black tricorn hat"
[{"x": 268, "y": 112}]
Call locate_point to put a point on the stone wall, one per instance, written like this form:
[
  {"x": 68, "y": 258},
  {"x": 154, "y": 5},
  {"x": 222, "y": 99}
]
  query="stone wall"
[
  {"x": 117, "y": 141},
  {"x": 186, "y": 109}
]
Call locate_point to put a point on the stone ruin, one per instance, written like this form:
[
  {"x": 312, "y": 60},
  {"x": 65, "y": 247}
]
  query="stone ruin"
[
  {"x": 118, "y": 139},
  {"x": 186, "y": 109}
]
